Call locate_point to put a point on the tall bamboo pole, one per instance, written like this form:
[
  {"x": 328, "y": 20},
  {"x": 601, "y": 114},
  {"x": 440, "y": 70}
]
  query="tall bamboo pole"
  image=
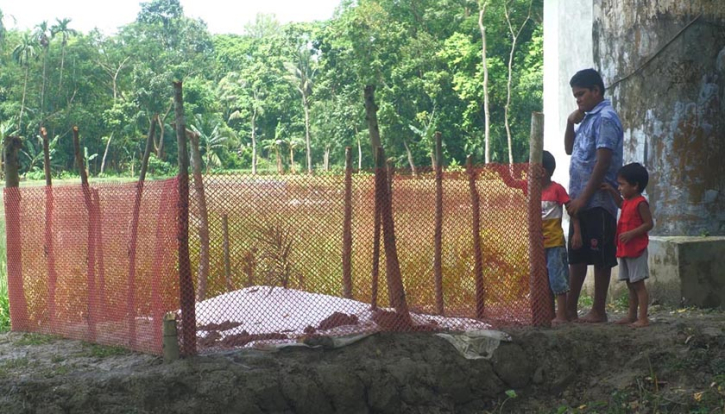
[
  {"x": 347, "y": 229},
  {"x": 13, "y": 233},
  {"x": 477, "y": 250},
  {"x": 49, "y": 239},
  {"x": 541, "y": 300},
  {"x": 131, "y": 280},
  {"x": 186, "y": 284},
  {"x": 438, "y": 237},
  {"x": 92, "y": 219}
]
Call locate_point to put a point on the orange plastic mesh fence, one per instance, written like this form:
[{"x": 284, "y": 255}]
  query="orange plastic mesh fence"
[
  {"x": 69, "y": 262},
  {"x": 279, "y": 268},
  {"x": 289, "y": 257}
]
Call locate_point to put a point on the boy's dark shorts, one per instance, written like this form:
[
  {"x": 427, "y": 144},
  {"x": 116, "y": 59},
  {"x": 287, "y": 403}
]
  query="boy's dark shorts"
[{"x": 599, "y": 247}]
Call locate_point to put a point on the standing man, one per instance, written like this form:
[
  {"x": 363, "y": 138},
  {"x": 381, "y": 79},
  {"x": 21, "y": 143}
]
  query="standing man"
[{"x": 595, "y": 146}]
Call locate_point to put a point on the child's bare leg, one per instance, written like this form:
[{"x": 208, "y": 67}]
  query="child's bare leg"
[
  {"x": 643, "y": 299},
  {"x": 560, "y": 310},
  {"x": 632, "y": 312}
]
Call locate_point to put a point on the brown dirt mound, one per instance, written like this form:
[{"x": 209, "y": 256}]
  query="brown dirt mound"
[{"x": 676, "y": 365}]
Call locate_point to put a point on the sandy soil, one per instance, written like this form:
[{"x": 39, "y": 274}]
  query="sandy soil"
[{"x": 676, "y": 365}]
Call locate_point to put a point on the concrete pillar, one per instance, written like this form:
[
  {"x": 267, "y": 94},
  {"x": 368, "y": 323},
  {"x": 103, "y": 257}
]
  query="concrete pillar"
[
  {"x": 567, "y": 49},
  {"x": 664, "y": 63}
]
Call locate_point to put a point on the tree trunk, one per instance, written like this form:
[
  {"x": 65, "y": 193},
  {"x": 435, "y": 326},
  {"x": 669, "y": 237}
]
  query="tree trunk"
[
  {"x": 203, "y": 272},
  {"x": 507, "y": 107},
  {"x": 359, "y": 151},
  {"x": 254, "y": 143},
  {"x": 105, "y": 152},
  {"x": 411, "y": 162},
  {"x": 291, "y": 160},
  {"x": 371, "y": 115},
  {"x": 327, "y": 159},
  {"x": 280, "y": 167},
  {"x": 487, "y": 139},
  {"x": 62, "y": 61},
  {"x": 396, "y": 290},
  {"x": 306, "y": 104},
  {"x": 42, "y": 85},
  {"x": 22, "y": 104}
]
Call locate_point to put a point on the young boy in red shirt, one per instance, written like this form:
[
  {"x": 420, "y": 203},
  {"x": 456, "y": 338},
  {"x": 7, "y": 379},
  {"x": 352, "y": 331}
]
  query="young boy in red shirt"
[
  {"x": 553, "y": 199},
  {"x": 635, "y": 220}
]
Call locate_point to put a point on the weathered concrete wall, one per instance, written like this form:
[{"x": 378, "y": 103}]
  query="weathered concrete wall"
[
  {"x": 665, "y": 64},
  {"x": 687, "y": 271}
]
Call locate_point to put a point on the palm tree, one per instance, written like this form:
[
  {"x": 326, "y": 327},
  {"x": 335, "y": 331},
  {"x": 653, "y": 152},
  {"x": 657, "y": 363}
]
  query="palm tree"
[
  {"x": 61, "y": 29},
  {"x": 301, "y": 74},
  {"x": 248, "y": 100},
  {"x": 275, "y": 145},
  {"x": 210, "y": 139},
  {"x": 22, "y": 54},
  {"x": 293, "y": 144}
]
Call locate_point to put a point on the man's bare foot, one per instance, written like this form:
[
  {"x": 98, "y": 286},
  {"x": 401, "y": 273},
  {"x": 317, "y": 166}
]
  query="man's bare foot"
[
  {"x": 625, "y": 321},
  {"x": 593, "y": 317},
  {"x": 640, "y": 323},
  {"x": 558, "y": 321}
]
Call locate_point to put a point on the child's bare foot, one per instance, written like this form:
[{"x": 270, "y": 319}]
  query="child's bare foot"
[
  {"x": 593, "y": 317},
  {"x": 626, "y": 321},
  {"x": 558, "y": 321},
  {"x": 640, "y": 323}
]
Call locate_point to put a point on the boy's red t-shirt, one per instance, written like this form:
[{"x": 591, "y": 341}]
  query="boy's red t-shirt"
[
  {"x": 553, "y": 199},
  {"x": 630, "y": 219}
]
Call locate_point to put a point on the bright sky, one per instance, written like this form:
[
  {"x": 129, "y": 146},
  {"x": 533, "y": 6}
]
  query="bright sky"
[{"x": 221, "y": 16}]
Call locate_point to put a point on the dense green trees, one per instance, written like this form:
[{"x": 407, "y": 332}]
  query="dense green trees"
[{"x": 286, "y": 97}]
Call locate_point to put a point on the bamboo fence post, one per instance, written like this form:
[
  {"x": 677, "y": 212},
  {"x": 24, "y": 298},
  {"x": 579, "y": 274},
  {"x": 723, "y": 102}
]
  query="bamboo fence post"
[
  {"x": 133, "y": 242},
  {"x": 101, "y": 295},
  {"x": 438, "y": 237},
  {"x": 225, "y": 247},
  {"x": 477, "y": 251},
  {"x": 186, "y": 284},
  {"x": 158, "y": 271},
  {"x": 541, "y": 300},
  {"x": 171, "y": 339},
  {"x": 396, "y": 290},
  {"x": 377, "y": 224},
  {"x": 49, "y": 242},
  {"x": 202, "y": 276},
  {"x": 13, "y": 234},
  {"x": 91, "y": 266},
  {"x": 347, "y": 229}
]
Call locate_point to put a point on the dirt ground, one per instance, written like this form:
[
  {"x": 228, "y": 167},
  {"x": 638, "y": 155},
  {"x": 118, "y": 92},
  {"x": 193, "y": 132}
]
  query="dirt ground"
[{"x": 677, "y": 365}]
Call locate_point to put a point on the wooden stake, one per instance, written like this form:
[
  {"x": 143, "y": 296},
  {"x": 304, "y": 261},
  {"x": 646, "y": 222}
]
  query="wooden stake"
[
  {"x": 13, "y": 232},
  {"x": 438, "y": 237},
  {"x": 186, "y": 284},
  {"x": 541, "y": 300},
  {"x": 171, "y": 340},
  {"x": 477, "y": 250},
  {"x": 347, "y": 229},
  {"x": 225, "y": 246}
]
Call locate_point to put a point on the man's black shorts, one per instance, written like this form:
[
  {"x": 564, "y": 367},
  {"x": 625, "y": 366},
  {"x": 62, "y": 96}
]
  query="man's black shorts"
[{"x": 599, "y": 247}]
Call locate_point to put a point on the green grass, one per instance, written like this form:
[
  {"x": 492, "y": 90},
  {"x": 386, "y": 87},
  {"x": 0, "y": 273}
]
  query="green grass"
[{"x": 102, "y": 351}]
